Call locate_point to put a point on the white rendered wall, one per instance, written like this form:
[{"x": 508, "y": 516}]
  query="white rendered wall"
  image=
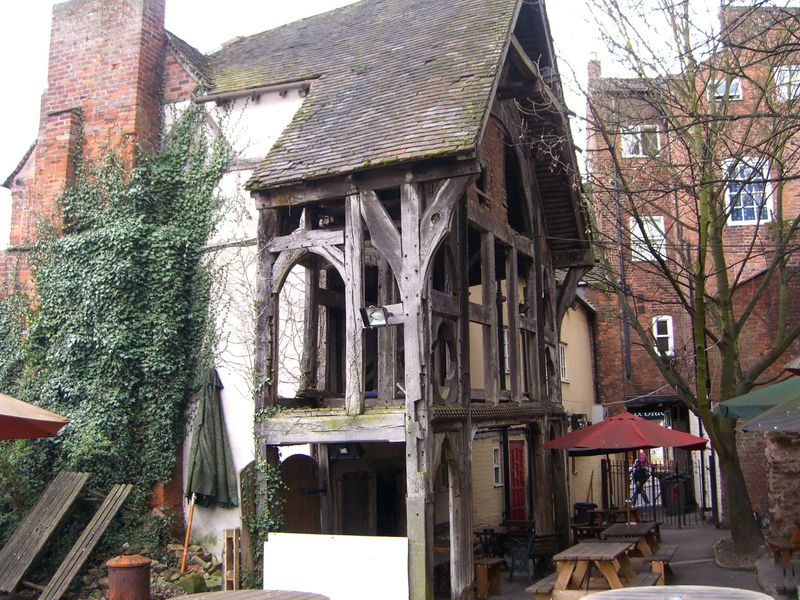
[{"x": 251, "y": 126}]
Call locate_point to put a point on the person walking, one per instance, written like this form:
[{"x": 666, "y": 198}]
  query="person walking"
[{"x": 640, "y": 473}]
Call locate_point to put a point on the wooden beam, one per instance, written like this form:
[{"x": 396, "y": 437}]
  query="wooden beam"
[
  {"x": 437, "y": 219},
  {"x": 374, "y": 179},
  {"x": 382, "y": 232},
  {"x": 307, "y": 238},
  {"x": 491, "y": 364},
  {"x": 512, "y": 293},
  {"x": 332, "y": 426},
  {"x": 566, "y": 292},
  {"x": 387, "y": 336},
  {"x": 418, "y": 436},
  {"x": 265, "y": 307},
  {"x": 308, "y": 361},
  {"x": 354, "y": 301},
  {"x": 444, "y": 304}
]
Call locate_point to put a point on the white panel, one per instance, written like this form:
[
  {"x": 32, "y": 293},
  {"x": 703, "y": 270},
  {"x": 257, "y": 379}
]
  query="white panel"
[{"x": 342, "y": 567}]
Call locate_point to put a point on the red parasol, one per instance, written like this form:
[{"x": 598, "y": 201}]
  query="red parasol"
[
  {"x": 622, "y": 432},
  {"x": 20, "y": 420}
]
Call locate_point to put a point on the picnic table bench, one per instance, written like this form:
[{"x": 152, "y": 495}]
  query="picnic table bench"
[{"x": 487, "y": 576}]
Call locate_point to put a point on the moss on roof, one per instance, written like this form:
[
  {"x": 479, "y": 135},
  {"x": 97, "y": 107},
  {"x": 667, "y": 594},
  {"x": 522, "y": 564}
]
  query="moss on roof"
[{"x": 395, "y": 81}]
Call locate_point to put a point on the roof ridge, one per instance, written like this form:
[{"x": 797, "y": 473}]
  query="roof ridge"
[{"x": 325, "y": 14}]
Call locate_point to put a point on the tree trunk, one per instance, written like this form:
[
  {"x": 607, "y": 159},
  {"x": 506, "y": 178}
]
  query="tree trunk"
[{"x": 746, "y": 534}]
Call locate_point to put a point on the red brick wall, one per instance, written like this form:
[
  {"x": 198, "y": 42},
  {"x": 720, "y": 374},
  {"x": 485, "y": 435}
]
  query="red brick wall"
[
  {"x": 178, "y": 83},
  {"x": 104, "y": 80}
]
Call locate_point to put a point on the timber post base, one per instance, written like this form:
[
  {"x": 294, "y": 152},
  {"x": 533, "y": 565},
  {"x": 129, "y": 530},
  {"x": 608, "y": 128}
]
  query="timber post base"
[{"x": 487, "y": 576}]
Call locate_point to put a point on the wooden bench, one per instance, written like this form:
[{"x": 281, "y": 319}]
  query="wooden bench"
[
  {"x": 644, "y": 579},
  {"x": 783, "y": 550},
  {"x": 787, "y": 577},
  {"x": 39, "y": 523},
  {"x": 659, "y": 562},
  {"x": 487, "y": 576},
  {"x": 543, "y": 589}
]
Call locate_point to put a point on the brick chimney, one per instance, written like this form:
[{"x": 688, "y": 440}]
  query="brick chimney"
[
  {"x": 104, "y": 77},
  {"x": 593, "y": 69}
]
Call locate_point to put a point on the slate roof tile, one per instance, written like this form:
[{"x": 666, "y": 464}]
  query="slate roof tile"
[{"x": 395, "y": 81}]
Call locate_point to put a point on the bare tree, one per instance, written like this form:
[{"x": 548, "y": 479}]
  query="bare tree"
[{"x": 692, "y": 172}]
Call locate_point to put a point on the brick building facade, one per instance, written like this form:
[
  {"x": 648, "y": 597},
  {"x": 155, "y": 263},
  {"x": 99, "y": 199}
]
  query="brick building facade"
[{"x": 644, "y": 179}]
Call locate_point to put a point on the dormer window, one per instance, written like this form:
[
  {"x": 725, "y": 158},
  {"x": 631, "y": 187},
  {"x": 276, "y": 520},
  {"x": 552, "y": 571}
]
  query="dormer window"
[
  {"x": 725, "y": 89},
  {"x": 787, "y": 82},
  {"x": 640, "y": 141}
]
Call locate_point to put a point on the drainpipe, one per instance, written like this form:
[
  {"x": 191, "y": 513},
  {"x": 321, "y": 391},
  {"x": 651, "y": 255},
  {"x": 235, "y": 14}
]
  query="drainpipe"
[{"x": 626, "y": 353}]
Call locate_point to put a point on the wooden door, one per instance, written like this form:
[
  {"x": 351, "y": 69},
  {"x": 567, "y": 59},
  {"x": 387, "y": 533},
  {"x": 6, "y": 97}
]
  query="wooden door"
[
  {"x": 302, "y": 502},
  {"x": 516, "y": 487}
]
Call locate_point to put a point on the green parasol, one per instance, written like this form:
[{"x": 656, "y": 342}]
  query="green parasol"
[
  {"x": 752, "y": 404},
  {"x": 211, "y": 474}
]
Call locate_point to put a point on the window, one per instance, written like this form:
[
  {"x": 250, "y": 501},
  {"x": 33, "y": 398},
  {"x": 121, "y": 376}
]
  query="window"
[
  {"x": 562, "y": 356},
  {"x": 662, "y": 334},
  {"x": 725, "y": 89},
  {"x": 787, "y": 82},
  {"x": 506, "y": 351},
  {"x": 497, "y": 472},
  {"x": 747, "y": 192},
  {"x": 640, "y": 141},
  {"x": 652, "y": 232}
]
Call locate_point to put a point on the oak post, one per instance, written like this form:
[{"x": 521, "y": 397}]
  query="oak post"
[
  {"x": 419, "y": 438},
  {"x": 354, "y": 300}
]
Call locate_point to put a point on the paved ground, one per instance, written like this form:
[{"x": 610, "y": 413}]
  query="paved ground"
[{"x": 692, "y": 565}]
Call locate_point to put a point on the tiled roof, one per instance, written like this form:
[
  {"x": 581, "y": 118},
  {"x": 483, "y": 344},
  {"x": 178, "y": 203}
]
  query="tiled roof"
[
  {"x": 396, "y": 81},
  {"x": 195, "y": 60}
]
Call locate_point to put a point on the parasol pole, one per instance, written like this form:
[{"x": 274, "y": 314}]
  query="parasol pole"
[{"x": 188, "y": 532}]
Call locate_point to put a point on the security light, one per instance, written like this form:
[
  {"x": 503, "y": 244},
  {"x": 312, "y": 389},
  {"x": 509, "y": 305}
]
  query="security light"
[{"x": 375, "y": 316}]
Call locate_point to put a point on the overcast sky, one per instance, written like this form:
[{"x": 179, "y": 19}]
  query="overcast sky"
[{"x": 205, "y": 24}]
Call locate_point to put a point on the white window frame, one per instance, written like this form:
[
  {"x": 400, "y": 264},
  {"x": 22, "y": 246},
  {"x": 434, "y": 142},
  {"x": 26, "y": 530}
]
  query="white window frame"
[
  {"x": 562, "y": 362},
  {"x": 787, "y": 82},
  {"x": 506, "y": 351},
  {"x": 670, "y": 334},
  {"x": 656, "y": 235},
  {"x": 497, "y": 467},
  {"x": 750, "y": 161},
  {"x": 719, "y": 89},
  {"x": 632, "y": 141}
]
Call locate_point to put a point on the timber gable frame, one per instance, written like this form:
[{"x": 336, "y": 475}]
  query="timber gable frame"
[{"x": 459, "y": 246}]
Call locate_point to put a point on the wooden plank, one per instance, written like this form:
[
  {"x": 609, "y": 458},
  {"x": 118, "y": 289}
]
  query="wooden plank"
[
  {"x": 354, "y": 302},
  {"x": 88, "y": 539},
  {"x": 301, "y": 427},
  {"x": 382, "y": 232},
  {"x": 306, "y": 238},
  {"x": 39, "y": 523}
]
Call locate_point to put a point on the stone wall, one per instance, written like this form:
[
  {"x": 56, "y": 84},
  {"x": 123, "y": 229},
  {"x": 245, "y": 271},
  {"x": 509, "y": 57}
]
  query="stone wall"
[{"x": 782, "y": 452}]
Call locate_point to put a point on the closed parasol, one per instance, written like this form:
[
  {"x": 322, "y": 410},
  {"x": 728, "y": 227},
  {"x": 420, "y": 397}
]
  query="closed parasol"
[
  {"x": 20, "y": 420},
  {"x": 623, "y": 432},
  {"x": 211, "y": 474}
]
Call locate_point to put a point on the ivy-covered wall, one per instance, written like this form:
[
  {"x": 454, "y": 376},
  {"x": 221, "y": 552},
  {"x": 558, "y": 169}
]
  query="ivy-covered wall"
[{"x": 118, "y": 331}]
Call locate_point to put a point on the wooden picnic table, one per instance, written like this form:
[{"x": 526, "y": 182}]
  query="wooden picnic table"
[
  {"x": 679, "y": 592},
  {"x": 574, "y": 566},
  {"x": 644, "y": 534},
  {"x": 256, "y": 595}
]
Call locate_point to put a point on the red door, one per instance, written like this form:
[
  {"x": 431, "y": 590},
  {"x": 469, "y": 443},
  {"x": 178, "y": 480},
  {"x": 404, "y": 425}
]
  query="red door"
[{"x": 516, "y": 468}]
